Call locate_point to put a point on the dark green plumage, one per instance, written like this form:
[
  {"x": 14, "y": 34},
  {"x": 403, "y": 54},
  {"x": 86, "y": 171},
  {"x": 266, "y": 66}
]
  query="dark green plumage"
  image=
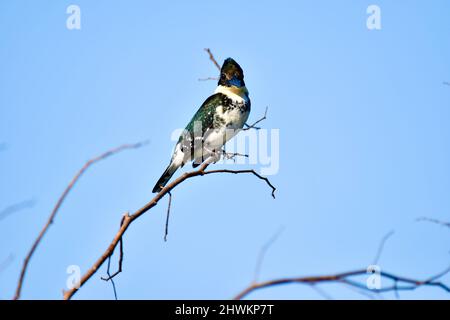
[
  {"x": 206, "y": 119},
  {"x": 205, "y": 114},
  {"x": 209, "y": 129}
]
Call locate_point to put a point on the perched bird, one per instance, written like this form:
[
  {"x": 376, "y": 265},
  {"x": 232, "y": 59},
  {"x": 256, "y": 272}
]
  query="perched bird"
[{"x": 218, "y": 120}]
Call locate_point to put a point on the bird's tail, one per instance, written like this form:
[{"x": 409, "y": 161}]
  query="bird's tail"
[{"x": 170, "y": 170}]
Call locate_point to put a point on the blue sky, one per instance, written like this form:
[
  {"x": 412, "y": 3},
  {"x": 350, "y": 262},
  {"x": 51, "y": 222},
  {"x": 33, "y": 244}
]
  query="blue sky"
[{"x": 364, "y": 124}]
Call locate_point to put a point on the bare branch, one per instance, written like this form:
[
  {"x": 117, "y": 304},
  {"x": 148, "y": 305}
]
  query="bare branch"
[
  {"x": 128, "y": 219},
  {"x": 211, "y": 57},
  {"x": 60, "y": 202},
  {"x": 253, "y": 126},
  {"x": 436, "y": 221},
  {"x": 409, "y": 284},
  {"x": 16, "y": 207}
]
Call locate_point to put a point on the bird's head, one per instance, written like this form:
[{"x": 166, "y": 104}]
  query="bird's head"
[{"x": 231, "y": 74}]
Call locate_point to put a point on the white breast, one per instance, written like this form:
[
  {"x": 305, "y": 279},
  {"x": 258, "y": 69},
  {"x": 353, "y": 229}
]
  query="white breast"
[
  {"x": 230, "y": 94},
  {"x": 234, "y": 120}
]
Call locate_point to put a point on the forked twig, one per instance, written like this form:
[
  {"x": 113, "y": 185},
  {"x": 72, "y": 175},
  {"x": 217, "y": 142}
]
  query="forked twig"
[
  {"x": 119, "y": 269},
  {"x": 253, "y": 126}
]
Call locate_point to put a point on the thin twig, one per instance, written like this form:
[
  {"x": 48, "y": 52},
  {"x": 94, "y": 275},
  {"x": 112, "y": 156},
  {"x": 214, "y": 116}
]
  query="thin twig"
[
  {"x": 263, "y": 251},
  {"x": 397, "y": 295},
  {"x": 110, "y": 278},
  {"x": 211, "y": 57},
  {"x": 436, "y": 221},
  {"x": 245, "y": 171},
  {"x": 128, "y": 219},
  {"x": 369, "y": 295},
  {"x": 60, "y": 202},
  {"x": 322, "y": 292},
  {"x": 439, "y": 275},
  {"x": 166, "y": 232},
  {"x": 381, "y": 246},
  {"x": 16, "y": 207},
  {"x": 208, "y": 79},
  {"x": 253, "y": 126},
  {"x": 119, "y": 269}
]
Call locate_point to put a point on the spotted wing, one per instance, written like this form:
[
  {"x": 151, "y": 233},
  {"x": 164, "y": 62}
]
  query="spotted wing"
[{"x": 201, "y": 124}]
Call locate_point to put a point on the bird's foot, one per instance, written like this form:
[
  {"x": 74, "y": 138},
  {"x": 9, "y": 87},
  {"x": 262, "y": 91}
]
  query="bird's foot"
[{"x": 232, "y": 155}]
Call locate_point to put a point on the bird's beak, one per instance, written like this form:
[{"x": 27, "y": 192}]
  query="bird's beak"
[{"x": 235, "y": 82}]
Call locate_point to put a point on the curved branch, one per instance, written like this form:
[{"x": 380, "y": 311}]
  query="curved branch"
[
  {"x": 59, "y": 204},
  {"x": 410, "y": 284},
  {"x": 381, "y": 246},
  {"x": 16, "y": 207},
  {"x": 128, "y": 219},
  {"x": 245, "y": 171},
  {"x": 436, "y": 221}
]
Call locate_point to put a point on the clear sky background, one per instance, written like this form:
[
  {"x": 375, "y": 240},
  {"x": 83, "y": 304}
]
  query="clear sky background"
[{"x": 364, "y": 120}]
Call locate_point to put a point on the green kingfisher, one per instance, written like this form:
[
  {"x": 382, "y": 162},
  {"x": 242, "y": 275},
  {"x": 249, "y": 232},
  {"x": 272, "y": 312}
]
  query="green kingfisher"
[{"x": 218, "y": 120}]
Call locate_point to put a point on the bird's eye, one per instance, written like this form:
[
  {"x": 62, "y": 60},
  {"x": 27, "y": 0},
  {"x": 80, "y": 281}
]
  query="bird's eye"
[{"x": 222, "y": 76}]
